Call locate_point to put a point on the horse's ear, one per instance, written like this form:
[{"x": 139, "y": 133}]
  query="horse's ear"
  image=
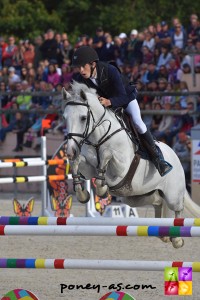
[
  {"x": 83, "y": 95},
  {"x": 65, "y": 94}
]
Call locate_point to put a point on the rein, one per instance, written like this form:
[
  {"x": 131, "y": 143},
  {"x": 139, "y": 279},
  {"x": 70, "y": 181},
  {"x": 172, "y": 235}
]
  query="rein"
[{"x": 85, "y": 135}]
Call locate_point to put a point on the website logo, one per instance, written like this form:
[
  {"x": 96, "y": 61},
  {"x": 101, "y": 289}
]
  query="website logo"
[
  {"x": 117, "y": 296},
  {"x": 19, "y": 294},
  {"x": 178, "y": 281}
]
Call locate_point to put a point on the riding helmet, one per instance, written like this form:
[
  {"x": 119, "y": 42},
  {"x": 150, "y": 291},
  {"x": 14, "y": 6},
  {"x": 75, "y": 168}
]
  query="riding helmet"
[{"x": 84, "y": 55}]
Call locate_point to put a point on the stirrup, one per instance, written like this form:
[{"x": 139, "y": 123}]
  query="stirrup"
[{"x": 159, "y": 163}]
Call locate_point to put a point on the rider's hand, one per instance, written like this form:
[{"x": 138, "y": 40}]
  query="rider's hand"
[{"x": 105, "y": 102}]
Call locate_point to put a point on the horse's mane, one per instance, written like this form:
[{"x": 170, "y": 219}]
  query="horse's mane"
[{"x": 77, "y": 87}]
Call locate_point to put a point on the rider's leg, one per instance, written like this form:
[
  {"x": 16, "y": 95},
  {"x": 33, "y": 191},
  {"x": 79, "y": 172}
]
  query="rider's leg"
[{"x": 146, "y": 138}]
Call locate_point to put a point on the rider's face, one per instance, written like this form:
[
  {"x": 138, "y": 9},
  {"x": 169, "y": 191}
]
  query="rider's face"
[{"x": 85, "y": 70}]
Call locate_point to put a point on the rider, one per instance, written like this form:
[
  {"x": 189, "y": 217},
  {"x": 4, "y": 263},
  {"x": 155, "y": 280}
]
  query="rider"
[{"x": 107, "y": 80}]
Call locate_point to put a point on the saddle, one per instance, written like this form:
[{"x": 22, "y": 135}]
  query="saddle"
[{"x": 125, "y": 121}]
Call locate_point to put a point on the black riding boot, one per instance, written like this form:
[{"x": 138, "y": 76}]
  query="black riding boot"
[{"x": 148, "y": 142}]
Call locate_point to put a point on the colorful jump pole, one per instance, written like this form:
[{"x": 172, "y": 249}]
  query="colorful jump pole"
[
  {"x": 13, "y": 220},
  {"x": 31, "y": 263},
  {"x": 73, "y": 230}
]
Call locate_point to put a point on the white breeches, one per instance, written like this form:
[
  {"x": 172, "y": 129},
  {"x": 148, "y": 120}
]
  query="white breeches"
[{"x": 134, "y": 111}]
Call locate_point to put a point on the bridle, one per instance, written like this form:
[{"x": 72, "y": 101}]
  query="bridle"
[{"x": 86, "y": 134}]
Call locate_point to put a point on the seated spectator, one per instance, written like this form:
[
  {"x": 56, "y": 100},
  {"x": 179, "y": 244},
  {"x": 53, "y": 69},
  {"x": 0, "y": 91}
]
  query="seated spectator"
[
  {"x": 163, "y": 73},
  {"x": 156, "y": 119},
  {"x": 151, "y": 86},
  {"x": 18, "y": 58},
  {"x": 168, "y": 98},
  {"x": 188, "y": 119},
  {"x": 186, "y": 68},
  {"x": 3, "y": 98},
  {"x": 57, "y": 99},
  {"x": 12, "y": 77},
  {"x": 11, "y": 124},
  {"x": 66, "y": 75},
  {"x": 53, "y": 76},
  {"x": 143, "y": 73},
  {"x": 98, "y": 41},
  {"x": 176, "y": 126},
  {"x": 152, "y": 74},
  {"x": 66, "y": 52},
  {"x": 24, "y": 73},
  {"x": 23, "y": 101},
  {"x": 29, "y": 53},
  {"x": 183, "y": 99},
  {"x": 20, "y": 127},
  {"x": 182, "y": 148},
  {"x": 164, "y": 57},
  {"x": 147, "y": 55},
  {"x": 147, "y": 118},
  {"x": 193, "y": 29},
  {"x": 175, "y": 73},
  {"x": 164, "y": 125},
  {"x": 149, "y": 41}
]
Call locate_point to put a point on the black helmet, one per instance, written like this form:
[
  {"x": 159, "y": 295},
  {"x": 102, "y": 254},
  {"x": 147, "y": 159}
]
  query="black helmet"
[{"x": 84, "y": 55}]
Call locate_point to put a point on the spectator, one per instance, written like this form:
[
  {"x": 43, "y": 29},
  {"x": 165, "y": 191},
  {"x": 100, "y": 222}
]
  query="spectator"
[
  {"x": 193, "y": 31},
  {"x": 29, "y": 53},
  {"x": 21, "y": 126},
  {"x": 66, "y": 75},
  {"x": 175, "y": 73},
  {"x": 149, "y": 41},
  {"x": 53, "y": 76},
  {"x": 49, "y": 46},
  {"x": 147, "y": 55},
  {"x": 108, "y": 49},
  {"x": 3, "y": 45},
  {"x": 98, "y": 41},
  {"x": 164, "y": 57},
  {"x": 23, "y": 100},
  {"x": 163, "y": 73},
  {"x": 168, "y": 98},
  {"x": 156, "y": 119},
  {"x": 164, "y": 125},
  {"x": 38, "y": 53},
  {"x": 18, "y": 58},
  {"x": 66, "y": 52},
  {"x": 131, "y": 46},
  {"x": 182, "y": 148},
  {"x": 152, "y": 74},
  {"x": 12, "y": 77},
  {"x": 175, "y": 127},
  {"x": 8, "y": 53},
  {"x": 188, "y": 119},
  {"x": 163, "y": 37},
  {"x": 123, "y": 48},
  {"x": 183, "y": 99},
  {"x": 178, "y": 37}
]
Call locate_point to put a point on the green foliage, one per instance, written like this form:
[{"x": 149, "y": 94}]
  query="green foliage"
[{"x": 26, "y": 19}]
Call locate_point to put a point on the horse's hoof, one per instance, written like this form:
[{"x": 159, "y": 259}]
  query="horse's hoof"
[
  {"x": 165, "y": 239},
  {"x": 85, "y": 200},
  {"x": 177, "y": 242}
]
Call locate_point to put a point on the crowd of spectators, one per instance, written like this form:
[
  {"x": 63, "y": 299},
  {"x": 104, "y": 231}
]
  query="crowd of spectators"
[{"x": 155, "y": 59}]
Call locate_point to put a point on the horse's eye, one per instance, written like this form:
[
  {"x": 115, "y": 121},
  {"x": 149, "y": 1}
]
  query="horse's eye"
[{"x": 83, "y": 118}]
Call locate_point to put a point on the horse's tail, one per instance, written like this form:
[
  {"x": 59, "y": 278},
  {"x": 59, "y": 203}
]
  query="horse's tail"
[{"x": 190, "y": 206}]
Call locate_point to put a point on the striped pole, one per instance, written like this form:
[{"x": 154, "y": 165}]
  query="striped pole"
[
  {"x": 32, "y": 163},
  {"x": 14, "y": 220},
  {"x": 157, "y": 231},
  {"x": 40, "y": 263},
  {"x": 22, "y": 179}
]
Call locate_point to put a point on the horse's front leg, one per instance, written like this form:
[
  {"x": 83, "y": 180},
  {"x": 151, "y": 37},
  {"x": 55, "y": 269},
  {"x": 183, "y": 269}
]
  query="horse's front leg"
[
  {"x": 82, "y": 195},
  {"x": 101, "y": 186}
]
